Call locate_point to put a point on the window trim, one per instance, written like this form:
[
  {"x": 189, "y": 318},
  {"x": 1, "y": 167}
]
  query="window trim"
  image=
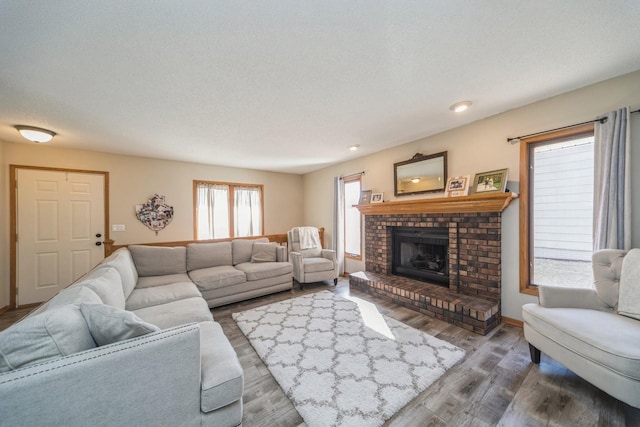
[
  {"x": 526, "y": 287},
  {"x": 231, "y": 186},
  {"x": 356, "y": 177}
]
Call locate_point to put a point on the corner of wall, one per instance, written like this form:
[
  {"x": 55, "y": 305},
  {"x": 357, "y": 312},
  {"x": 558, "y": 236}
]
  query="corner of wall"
[{"x": 4, "y": 228}]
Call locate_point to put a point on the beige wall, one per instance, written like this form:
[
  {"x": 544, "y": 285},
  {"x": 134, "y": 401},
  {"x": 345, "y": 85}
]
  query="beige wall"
[
  {"x": 482, "y": 146},
  {"x": 134, "y": 179}
]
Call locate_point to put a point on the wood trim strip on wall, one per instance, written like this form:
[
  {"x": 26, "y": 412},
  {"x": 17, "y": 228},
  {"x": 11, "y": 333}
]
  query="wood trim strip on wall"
[{"x": 281, "y": 239}]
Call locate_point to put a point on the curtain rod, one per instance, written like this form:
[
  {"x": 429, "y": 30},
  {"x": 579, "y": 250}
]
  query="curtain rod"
[
  {"x": 518, "y": 138},
  {"x": 353, "y": 174}
]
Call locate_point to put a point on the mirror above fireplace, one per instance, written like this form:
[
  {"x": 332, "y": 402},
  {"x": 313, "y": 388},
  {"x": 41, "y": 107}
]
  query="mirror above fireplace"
[{"x": 420, "y": 174}]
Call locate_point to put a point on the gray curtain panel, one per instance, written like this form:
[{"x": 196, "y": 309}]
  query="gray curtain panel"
[
  {"x": 338, "y": 222},
  {"x": 611, "y": 191}
]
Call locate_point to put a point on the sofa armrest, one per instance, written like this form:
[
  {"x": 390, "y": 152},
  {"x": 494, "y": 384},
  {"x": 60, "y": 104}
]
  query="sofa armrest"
[
  {"x": 563, "y": 297},
  {"x": 298, "y": 267},
  {"x": 281, "y": 254},
  {"x": 153, "y": 379},
  {"x": 330, "y": 254},
  {"x": 607, "y": 265}
]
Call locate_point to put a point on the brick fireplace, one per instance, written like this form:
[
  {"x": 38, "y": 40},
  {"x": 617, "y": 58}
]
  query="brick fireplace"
[{"x": 472, "y": 298}]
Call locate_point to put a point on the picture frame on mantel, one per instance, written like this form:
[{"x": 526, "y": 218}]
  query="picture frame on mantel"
[
  {"x": 457, "y": 186},
  {"x": 365, "y": 197},
  {"x": 377, "y": 197},
  {"x": 491, "y": 181}
]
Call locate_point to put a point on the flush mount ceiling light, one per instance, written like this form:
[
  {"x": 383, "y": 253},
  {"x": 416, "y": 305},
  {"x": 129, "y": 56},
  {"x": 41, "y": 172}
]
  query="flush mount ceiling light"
[
  {"x": 354, "y": 147},
  {"x": 459, "y": 107},
  {"x": 35, "y": 134},
  {"x": 415, "y": 180}
]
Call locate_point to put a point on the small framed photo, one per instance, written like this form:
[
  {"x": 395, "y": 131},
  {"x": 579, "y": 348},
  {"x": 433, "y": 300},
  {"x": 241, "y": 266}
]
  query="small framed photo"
[
  {"x": 365, "y": 197},
  {"x": 491, "y": 181},
  {"x": 457, "y": 186},
  {"x": 377, "y": 197}
]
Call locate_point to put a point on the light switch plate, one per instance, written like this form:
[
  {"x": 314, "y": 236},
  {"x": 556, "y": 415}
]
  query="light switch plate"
[{"x": 118, "y": 227}]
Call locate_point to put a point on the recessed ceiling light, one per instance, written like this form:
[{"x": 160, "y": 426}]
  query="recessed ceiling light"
[
  {"x": 415, "y": 180},
  {"x": 459, "y": 107},
  {"x": 354, "y": 147},
  {"x": 35, "y": 134}
]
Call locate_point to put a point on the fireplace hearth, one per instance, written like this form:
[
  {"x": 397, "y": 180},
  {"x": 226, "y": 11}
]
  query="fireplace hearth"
[{"x": 421, "y": 253}]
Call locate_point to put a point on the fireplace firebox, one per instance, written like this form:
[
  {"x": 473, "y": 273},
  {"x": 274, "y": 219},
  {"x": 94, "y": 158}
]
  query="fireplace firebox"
[{"x": 421, "y": 253}]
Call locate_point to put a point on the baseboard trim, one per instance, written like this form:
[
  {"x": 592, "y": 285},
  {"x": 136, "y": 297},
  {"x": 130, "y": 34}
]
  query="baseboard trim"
[
  {"x": 4, "y": 309},
  {"x": 512, "y": 322}
]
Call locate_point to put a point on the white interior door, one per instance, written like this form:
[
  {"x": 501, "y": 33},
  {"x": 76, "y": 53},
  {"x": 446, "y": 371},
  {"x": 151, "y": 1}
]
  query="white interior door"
[{"x": 60, "y": 219}]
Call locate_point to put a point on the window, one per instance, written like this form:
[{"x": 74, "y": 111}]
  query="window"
[
  {"x": 224, "y": 210},
  {"x": 556, "y": 209},
  {"x": 352, "y": 218}
]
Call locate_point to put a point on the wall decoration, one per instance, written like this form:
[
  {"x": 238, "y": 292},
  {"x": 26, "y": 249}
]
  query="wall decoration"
[
  {"x": 457, "y": 186},
  {"x": 486, "y": 182},
  {"x": 420, "y": 174},
  {"x": 365, "y": 197},
  {"x": 377, "y": 197},
  {"x": 155, "y": 213}
]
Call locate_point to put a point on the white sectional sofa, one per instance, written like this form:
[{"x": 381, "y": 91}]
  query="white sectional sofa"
[{"x": 133, "y": 342}]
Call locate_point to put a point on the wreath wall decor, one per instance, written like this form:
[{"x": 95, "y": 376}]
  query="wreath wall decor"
[{"x": 155, "y": 213}]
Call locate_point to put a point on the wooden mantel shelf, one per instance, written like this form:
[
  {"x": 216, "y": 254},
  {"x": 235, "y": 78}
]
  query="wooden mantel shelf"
[{"x": 491, "y": 202}]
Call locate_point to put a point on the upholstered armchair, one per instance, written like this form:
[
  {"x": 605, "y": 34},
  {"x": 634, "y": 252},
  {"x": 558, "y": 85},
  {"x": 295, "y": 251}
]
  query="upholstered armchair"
[
  {"x": 594, "y": 332},
  {"x": 311, "y": 263}
]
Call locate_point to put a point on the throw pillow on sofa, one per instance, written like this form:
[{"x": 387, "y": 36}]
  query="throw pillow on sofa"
[
  {"x": 46, "y": 336},
  {"x": 241, "y": 249},
  {"x": 110, "y": 324},
  {"x": 264, "y": 252}
]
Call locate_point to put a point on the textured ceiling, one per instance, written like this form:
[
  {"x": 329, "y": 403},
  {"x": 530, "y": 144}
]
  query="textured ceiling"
[{"x": 289, "y": 85}]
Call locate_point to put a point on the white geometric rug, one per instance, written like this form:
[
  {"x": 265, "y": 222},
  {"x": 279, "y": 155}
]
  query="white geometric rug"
[{"x": 340, "y": 361}]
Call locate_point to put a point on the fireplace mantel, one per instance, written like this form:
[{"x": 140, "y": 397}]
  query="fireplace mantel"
[{"x": 491, "y": 202}]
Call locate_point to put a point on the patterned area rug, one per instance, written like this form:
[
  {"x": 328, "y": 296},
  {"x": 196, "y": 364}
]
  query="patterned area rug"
[{"x": 340, "y": 361}]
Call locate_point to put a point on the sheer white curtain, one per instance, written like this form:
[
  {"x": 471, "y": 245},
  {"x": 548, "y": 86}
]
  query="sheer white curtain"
[
  {"x": 212, "y": 211},
  {"x": 612, "y": 201},
  {"x": 247, "y": 212},
  {"x": 338, "y": 222}
]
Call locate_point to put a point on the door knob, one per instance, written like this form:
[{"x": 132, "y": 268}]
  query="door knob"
[
  {"x": 98, "y": 235},
  {"x": 98, "y": 243}
]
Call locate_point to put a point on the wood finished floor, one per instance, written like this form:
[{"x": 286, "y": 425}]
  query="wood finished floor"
[{"x": 495, "y": 384}]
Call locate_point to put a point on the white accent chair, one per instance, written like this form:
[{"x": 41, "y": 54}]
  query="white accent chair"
[
  {"x": 582, "y": 328},
  {"x": 313, "y": 264}
]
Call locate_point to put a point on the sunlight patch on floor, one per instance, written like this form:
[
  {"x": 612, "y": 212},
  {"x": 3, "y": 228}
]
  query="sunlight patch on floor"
[{"x": 372, "y": 317}]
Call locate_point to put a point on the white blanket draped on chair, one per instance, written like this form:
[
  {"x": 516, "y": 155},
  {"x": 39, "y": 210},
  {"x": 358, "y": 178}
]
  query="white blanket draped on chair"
[{"x": 309, "y": 237}]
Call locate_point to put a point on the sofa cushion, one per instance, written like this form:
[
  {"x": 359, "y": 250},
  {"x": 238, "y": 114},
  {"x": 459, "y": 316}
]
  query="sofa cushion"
[
  {"x": 603, "y": 337},
  {"x": 205, "y": 255},
  {"x": 159, "y": 260},
  {"x": 176, "y": 313},
  {"x": 217, "y": 277},
  {"x": 222, "y": 380},
  {"x": 629, "y": 288},
  {"x": 146, "y": 297},
  {"x": 242, "y": 249},
  {"x": 49, "y": 335},
  {"x": 106, "y": 283},
  {"x": 313, "y": 265},
  {"x": 264, "y": 252},
  {"x": 109, "y": 324},
  {"x": 122, "y": 261},
  {"x": 151, "y": 281},
  {"x": 264, "y": 270},
  {"x": 74, "y": 295}
]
